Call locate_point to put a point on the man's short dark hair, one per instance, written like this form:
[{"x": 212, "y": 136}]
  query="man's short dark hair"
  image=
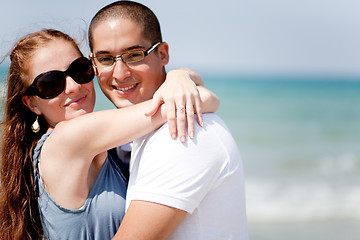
[{"x": 133, "y": 11}]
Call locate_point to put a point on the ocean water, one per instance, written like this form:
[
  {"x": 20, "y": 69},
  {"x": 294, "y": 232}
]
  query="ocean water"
[
  {"x": 300, "y": 142},
  {"x": 299, "y": 137}
]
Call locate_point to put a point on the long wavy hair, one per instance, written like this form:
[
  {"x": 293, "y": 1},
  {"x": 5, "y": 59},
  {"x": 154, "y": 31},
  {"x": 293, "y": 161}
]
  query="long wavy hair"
[{"x": 19, "y": 213}]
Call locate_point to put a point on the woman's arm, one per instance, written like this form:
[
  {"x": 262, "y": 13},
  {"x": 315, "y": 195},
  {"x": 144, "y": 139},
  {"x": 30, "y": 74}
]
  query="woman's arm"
[
  {"x": 210, "y": 102},
  {"x": 93, "y": 133},
  {"x": 187, "y": 73}
]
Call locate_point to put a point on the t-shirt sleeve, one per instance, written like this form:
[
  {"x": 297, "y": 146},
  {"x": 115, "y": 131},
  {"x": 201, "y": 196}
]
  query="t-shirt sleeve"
[{"x": 179, "y": 174}]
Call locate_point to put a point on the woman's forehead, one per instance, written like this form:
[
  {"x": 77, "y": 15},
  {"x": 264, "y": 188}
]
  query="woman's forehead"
[{"x": 56, "y": 55}]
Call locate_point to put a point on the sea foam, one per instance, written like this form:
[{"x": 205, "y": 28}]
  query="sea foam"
[{"x": 271, "y": 201}]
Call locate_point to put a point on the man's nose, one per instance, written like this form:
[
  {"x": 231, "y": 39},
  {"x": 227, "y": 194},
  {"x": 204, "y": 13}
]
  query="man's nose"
[{"x": 121, "y": 69}]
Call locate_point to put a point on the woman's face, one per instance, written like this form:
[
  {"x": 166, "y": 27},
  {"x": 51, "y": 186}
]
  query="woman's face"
[{"x": 75, "y": 100}]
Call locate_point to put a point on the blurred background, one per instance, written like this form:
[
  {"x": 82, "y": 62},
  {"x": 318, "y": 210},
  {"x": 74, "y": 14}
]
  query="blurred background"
[{"x": 288, "y": 77}]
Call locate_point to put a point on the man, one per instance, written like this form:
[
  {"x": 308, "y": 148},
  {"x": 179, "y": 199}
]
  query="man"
[{"x": 191, "y": 190}]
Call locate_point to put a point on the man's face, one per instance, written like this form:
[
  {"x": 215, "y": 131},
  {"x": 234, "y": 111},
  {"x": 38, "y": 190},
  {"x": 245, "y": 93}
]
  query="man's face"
[{"x": 126, "y": 84}]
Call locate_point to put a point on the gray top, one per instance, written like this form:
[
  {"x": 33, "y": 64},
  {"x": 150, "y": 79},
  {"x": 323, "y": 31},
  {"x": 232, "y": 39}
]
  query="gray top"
[{"x": 102, "y": 212}]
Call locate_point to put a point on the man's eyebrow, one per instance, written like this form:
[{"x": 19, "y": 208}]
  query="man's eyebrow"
[
  {"x": 124, "y": 50},
  {"x": 133, "y": 48},
  {"x": 102, "y": 53}
]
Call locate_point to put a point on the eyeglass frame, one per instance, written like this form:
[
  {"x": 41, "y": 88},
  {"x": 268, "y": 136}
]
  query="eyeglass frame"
[{"x": 114, "y": 59}]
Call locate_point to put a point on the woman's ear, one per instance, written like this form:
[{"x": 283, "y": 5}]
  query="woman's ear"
[
  {"x": 163, "y": 50},
  {"x": 29, "y": 102}
]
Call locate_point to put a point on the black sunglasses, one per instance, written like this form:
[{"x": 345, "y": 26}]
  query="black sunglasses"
[{"x": 50, "y": 84}]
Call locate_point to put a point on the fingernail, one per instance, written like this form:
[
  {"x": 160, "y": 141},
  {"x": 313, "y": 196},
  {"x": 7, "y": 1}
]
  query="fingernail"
[
  {"x": 173, "y": 136},
  {"x": 182, "y": 139},
  {"x": 191, "y": 135},
  {"x": 201, "y": 122}
]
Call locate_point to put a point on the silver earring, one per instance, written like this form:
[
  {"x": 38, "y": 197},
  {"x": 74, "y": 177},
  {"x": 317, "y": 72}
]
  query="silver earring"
[{"x": 35, "y": 127}]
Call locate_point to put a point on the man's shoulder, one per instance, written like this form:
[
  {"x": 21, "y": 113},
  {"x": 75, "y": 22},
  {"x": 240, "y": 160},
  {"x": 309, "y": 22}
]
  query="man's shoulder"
[
  {"x": 213, "y": 126},
  {"x": 209, "y": 119},
  {"x": 212, "y": 117}
]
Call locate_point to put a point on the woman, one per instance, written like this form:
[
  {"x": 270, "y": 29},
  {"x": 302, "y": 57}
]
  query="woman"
[{"x": 57, "y": 179}]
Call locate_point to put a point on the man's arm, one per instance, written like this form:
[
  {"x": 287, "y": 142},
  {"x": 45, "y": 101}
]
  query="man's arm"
[{"x": 151, "y": 221}]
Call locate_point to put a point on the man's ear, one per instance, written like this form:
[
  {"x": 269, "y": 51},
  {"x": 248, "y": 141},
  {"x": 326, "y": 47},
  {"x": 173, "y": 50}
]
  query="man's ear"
[
  {"x": 163, "y": 50},
  {"x": 29, "y": 102},
  {"x": 95, "y": 69}
]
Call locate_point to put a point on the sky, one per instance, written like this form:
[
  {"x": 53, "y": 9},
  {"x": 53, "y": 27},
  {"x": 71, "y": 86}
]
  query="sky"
[{"x": 229, "y": 36}]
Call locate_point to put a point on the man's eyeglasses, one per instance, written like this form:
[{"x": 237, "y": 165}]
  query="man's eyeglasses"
[{"x": 102, "y": 61}]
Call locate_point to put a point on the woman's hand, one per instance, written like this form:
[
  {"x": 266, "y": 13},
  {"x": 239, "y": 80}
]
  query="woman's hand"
[{"x": 182, "y": 101}]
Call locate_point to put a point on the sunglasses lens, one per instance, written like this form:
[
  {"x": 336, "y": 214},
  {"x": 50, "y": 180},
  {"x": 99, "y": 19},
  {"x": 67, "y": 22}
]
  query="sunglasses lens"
[
  {"x": 50, "y": 84},
  {"x": 81, "y": 70}
]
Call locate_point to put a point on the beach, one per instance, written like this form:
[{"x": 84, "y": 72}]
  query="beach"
[
  {"x": 299, "y": 138},
  {"x": 329, "y": 230}
]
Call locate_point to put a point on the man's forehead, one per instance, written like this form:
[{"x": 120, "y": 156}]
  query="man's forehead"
[
  {"x": 117, "y": 24},
  {"x": 118, "y": 36}
]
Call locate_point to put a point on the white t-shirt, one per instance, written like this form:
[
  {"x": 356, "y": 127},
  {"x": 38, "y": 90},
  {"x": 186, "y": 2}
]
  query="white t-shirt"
[{"x": 203, "y": 177}]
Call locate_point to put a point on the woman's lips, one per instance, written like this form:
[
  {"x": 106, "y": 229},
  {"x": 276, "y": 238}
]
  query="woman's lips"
[{"x": 77, "y": 101}]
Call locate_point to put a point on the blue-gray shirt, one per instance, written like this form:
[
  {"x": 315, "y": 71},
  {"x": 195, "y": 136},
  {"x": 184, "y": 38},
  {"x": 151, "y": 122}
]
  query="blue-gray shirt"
[{"x": 102, "y": 212}]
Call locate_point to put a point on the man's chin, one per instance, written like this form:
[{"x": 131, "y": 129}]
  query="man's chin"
[{"x": 123, "y": 103}]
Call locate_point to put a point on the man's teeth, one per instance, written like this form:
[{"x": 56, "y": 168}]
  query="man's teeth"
[{"x": 126, "y": 88}]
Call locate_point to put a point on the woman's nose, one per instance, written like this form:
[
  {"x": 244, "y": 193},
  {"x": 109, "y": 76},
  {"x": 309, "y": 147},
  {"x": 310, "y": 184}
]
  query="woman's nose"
[{"x": 71, "y": 85}]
